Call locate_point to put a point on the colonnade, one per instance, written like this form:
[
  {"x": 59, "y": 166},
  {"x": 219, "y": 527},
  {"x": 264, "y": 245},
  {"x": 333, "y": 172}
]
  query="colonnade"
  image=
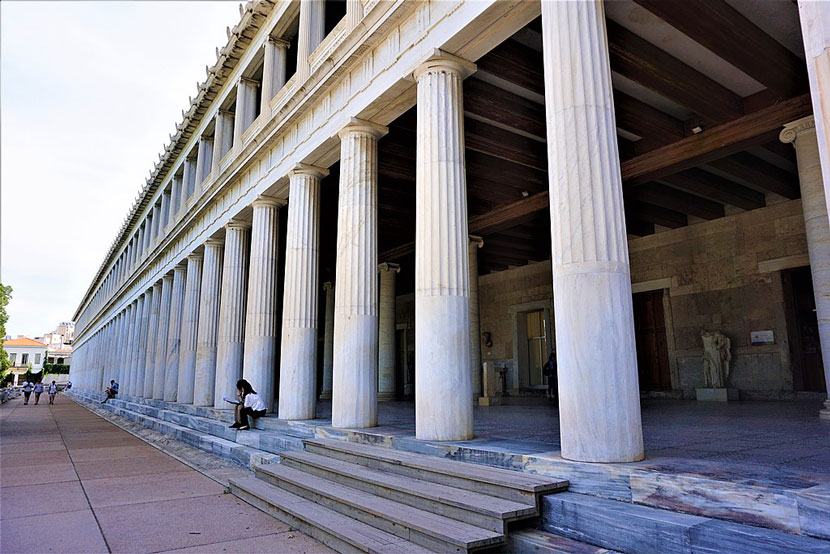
[{"x": 213, "y": 318}]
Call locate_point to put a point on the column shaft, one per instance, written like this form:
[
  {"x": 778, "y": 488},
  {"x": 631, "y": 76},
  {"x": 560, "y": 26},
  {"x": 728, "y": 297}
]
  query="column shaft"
[
  {"x": 152, "y": 334},
  {"x": 475, "y": 327},
  {"x": 354, "y": 375},
  {"x": 174, "y": 334},
  {"x": 246, "y": 92},
  {"x": 141, "y": 366},
  {"x": 386, "y": 332},
  {"x": 261, "y": 314},
  {"x": 190, "y": 329},
  {"x": 298, "y": 359},
  {"x": 802, "y": 134},
  {"x": 443, "y": 383},
  {"x": 203, "y": 161},
  {"x": 273, "y": 72},
  {"x": 328, "y": 342},
  {"x": 311, "y": 33},
  {"x": 205, "y": 380},
  {"x": 231, "y": 338},
  {"x": 599, "y": 397},
  {"x": 162, "y": 337}
]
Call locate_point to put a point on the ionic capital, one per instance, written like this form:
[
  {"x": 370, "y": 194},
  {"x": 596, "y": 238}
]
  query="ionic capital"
[
  {"x": 389, "y": 266},
  {"x": 357, "y": 126},
  {"x": 238, "y": 224},
  {"x": 477, "y": 241},
  {"x": 195, "y": 256},
  {"x": 263, "y": 201},
  {"x": 302, "y": 169},
  {"x": 793, "y": 129},
  {"x": 248, "y": 82},
  {"x": 279, "y": 43},
  {"x": 214, "y": 242},
  {"x": 328, "y": 285},
  {"x": 438, "y": 61}
]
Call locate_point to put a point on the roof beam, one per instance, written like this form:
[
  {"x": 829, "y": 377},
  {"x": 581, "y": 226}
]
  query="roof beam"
[
  {"x": 516, "y": 63},
  {"x": 492, "y": 103},
  {"x": 716, "y": 142},
  {"x": 760, "y": 173},
  {"x": 644, "y": 63},
  {"x": 650, "y": 213},
  {"x": 641, "y": 119},
  {"x": 677, "y": 200},
  {"x": 722, "y": 29},
  {"x": 719, "y": 189}
]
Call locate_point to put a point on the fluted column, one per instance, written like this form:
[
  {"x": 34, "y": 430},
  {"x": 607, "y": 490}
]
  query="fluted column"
[
  {"x": 203, "y": 161},
  {"x": 443, "y": 383},
  {"x": 246, "y": 92},
  {"x": 141, "y": 372},
  {"x": 205, "y": 380},
  {"x": 273, "y": 71},
  {"x": 152, "y": 334},
  {"x": 231, "y": 337},
  {"x": 188, "y": 181},
  {"x": 124, "y": 383},
  {"x": 137, "y": 363},
  {"x": 165, "y": 213},
  {"x": 298, "y": 359},
  {"x": 328, "y": 342},
  {"x": 190, "y": 329},
  {"x": 475, "y": 325},
  {"x": 174, "y": 333},
  {"x": 354, "y": 375},
  {"x": 354, "y": 12},
  {"x": 124, "y": 355},
  {"x": 222, "y": 138},
  {"x": 161, "y": 337},
  {"x": 311, "y": 33},
  {"x": 802, "y": 134},
  {"x": 599, "y": 396},
  {"x": 386, "y": 332},
  {"x": 815, "y": 31},
  {"x": 175, "y": 196},
  {"x": 259, "y": 361}
]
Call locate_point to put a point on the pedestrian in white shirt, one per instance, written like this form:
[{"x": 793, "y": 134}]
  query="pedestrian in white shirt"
[{"x": 250, "y": 404}]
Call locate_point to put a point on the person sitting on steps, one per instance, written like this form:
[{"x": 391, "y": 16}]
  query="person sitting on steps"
[
  {"x": 112, "y": 390},
  {"x": 250, "y": 404}
]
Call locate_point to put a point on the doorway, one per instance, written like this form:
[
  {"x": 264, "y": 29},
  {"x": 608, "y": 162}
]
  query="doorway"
[
  {"x": 650, "y": 336},
  {"x": 802, "y": 323}
]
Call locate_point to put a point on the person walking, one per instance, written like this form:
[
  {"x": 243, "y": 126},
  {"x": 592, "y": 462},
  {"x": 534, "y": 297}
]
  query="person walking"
[
  {"x": 549, "y": 371},
  {"x": 53, "y": 390},
  {"x": 38, "y": 392},
  {"x": 27, "y": 392}
]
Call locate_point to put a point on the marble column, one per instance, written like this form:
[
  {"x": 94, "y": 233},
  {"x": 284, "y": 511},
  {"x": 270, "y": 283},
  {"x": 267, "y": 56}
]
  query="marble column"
[
  {"x": 815, "y": 31},
  {"x": 152, "y": 334},
  {"x": 124, "y": 356},
  {"x": 141, "y": 372},
  {"x": 311, "y": 33},
  {"x": 175, "y": 196},
  {"x": 273, "y": 71},
  {"x": 205, "y": 380},
  {"x": 599, "y": 396},
  {"x": 354, "y": 12},
  {"x": 328, "y": 342},
  {"x": 188, "y": 182},
  {"x": 134, "y": 324},
  {"x": 174, "y": 333},
  {"x": 203, "y": 160},
  {"x": 298, "y": 359},
  {"x": 260, "y": 355},
  {"x": 231, "y": 335},
  {"x": 190, "y": 329},
  {"x": 137, "y": 363},
  {"x": 386, "y": 332},
  {"x": 161, "y": 337},
  {"x": 802, "y": 134},
  {"x": 354, "y": 375},
  {"x": 222, "y": 138},
  {"x": 165, "y": 213},
  {"x": 443, "y": 381},
  {"x": 246, "y": 92},
  {"x": 475, "y": 325}
]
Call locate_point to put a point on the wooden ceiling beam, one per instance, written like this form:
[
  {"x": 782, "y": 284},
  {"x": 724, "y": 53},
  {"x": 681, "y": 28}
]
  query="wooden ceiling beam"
[
  {"x": 703, "y": 183},
  {"x": 516, "y": 63},
  {"x": 495, "y": 141},
  {"x": 489, "y": 102},
  {"x": 648, "y": 65},
  {"x": 722, "y": 29},
  {"x": 649, "y": 213},
  {"x": 677, "y": 200},
  {"x": 716, "y": 142},
  {"x": 763, "y": 174},
  {"x": 641, "y": 119},
  {"x": 639, "y": 228}
]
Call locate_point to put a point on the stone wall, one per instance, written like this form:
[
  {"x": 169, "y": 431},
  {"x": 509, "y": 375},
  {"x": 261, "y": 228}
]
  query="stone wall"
[{"x": 712, "y": 272}]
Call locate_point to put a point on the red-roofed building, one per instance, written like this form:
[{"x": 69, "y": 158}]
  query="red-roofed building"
[{"x": 25, "y": 354}]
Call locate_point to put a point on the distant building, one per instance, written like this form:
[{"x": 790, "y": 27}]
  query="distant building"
[{"x": 25, "y": 354}]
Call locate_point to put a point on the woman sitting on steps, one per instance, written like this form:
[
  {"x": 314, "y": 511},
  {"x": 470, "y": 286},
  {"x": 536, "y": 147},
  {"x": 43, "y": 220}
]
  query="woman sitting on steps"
[{"x": 250, "y": 404}]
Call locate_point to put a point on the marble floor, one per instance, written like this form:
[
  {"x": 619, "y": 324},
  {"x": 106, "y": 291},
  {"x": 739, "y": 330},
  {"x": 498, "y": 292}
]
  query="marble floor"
[{"x": 785, "y": 434}]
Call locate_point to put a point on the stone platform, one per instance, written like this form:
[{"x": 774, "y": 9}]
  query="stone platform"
[{"x": 760, "y": 498}]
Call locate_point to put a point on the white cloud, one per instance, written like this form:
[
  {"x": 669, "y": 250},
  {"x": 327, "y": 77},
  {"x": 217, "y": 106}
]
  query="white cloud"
[{"x": 89, "y": 92}]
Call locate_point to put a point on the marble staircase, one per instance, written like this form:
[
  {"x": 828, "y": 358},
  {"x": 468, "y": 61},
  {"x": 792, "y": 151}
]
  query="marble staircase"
[{"x": 356, "y": 498}]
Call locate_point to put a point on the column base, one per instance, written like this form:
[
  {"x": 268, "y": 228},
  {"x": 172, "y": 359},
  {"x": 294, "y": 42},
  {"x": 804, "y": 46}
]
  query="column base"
[
  {"x": 325, "y": 395},
  {"x": 824, "y": 413}
]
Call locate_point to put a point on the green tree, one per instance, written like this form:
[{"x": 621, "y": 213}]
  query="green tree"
[{"x": 5, "y": 296}]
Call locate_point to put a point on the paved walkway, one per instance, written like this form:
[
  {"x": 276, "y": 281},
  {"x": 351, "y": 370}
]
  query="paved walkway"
[{"x": 73, "y": 482}]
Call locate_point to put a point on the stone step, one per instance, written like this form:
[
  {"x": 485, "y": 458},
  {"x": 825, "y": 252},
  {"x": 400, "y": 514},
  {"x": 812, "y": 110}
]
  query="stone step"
[
  {"x": 432, "y": 531},
  {"x": 333, "y": 529},
  {"x": 502, "y": 483},
  {"x": 481, "y": 510},
  {"x": 634, "y": 528},
  {"x": 224, "y": 448},
  {"x": 535, "y": 541}
]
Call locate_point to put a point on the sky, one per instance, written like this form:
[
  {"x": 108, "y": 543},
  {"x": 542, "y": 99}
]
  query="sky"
[{"x": 89, "y": 94}]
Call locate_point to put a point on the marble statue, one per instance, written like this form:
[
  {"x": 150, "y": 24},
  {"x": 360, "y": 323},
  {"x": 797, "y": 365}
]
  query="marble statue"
[{"x": 716, "y": 358}]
